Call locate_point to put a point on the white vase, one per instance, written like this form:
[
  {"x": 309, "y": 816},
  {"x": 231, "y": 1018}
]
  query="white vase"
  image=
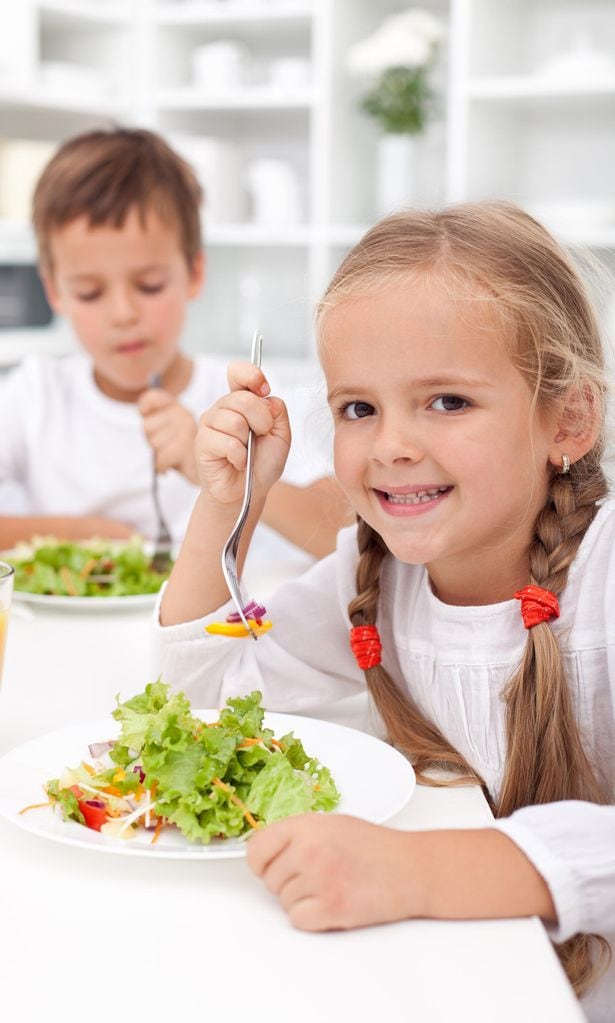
[{"x": 395, "y": 169}]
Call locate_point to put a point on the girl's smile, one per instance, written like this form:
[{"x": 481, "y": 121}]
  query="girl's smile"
[
  {"x": 437, "y": 443},
  {"x": 410, "y": 500}
]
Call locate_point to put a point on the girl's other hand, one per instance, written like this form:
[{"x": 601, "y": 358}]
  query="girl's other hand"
[
  {"x": 336, "y": 872},
  {"x": 222, "y": 437}
]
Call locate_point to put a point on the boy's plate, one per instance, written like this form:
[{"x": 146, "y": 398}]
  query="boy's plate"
[
  {"x": 374, "y": 780},
  {"x": 52, "y": 602}
]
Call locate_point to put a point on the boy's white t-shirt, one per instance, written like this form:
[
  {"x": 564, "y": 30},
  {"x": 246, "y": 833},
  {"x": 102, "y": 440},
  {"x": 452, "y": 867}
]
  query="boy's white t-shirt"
[{"x": 68, "y": 449}]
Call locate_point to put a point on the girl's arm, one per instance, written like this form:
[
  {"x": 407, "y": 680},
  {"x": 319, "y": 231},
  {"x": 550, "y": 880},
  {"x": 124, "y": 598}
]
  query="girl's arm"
[
  {"x": 341, "y": 872},
  {"x": 196, "y": 586}
]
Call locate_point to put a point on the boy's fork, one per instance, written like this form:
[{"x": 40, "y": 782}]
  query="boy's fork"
[
  {"x": 161, "y": 558},
  {"x": 229, "y": 554}
]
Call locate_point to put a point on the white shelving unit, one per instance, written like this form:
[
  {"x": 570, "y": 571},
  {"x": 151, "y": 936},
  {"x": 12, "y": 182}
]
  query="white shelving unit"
[{"x": 509, "y": 127}]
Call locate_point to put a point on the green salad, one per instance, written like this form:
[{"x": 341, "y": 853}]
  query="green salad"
[
  {"x": 96, "y": 568},
  {"x": 169, "y": 768}
]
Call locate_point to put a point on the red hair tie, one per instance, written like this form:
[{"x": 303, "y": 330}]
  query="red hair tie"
[
  {"x": 537, "y": 605},
  {"x": 366, "y": 646}
]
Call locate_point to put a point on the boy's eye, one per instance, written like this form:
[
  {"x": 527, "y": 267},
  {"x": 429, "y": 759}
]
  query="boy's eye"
[
  {"x": 151, "y": 289},
  {"x": 449, "y": 403},
  {"x": 357, "y": 410},
  {"x": 89, "y": 296}
]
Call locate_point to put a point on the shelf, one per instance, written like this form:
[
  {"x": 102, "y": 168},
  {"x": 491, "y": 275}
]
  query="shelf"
[
  {"x": 530, "y": 87},
  {"x": 231, "y": 14},
  {"x": 267, "y": 235},
  {"x": 258, "y": 97},
  {"x": 32, "y": 99},
  {"x": 94, "y": 12},
  {"x": 583, "y": 238}
]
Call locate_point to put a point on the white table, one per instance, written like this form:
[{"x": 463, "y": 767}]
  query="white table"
[{"x": 86, "y": 936}]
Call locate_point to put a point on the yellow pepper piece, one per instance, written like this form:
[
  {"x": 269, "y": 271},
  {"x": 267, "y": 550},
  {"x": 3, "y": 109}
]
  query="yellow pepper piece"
[{"x": 237, "y": 629}]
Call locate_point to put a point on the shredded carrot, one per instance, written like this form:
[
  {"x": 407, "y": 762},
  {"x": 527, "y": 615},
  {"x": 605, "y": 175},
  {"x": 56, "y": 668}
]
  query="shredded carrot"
[
  {"x": 88, "y": 768},
  {"x": 112, "y": 790},
  {"x": 274, "y": 742},
  {"x": 249, "y": 742},
  {"x": 157, "y": 830},
  {"x": 237, "y": 801},
  {"x": 119, "y": 775},
  {"x": 67, "y": 579},
  {"x": 153, "y": 789},
  {"x": 36, "y": 806},
  {"x": 87, "y": 568}
]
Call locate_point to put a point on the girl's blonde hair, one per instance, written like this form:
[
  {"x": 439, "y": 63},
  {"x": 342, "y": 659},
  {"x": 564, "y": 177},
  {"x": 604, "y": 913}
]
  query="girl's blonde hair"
[{"x": 495, "y": 252}]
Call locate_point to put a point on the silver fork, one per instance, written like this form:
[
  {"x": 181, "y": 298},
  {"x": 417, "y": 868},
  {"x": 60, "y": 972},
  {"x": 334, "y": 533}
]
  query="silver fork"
[
  {"x": 161, "y": 558},
  {"x": 229, "y": 553}
]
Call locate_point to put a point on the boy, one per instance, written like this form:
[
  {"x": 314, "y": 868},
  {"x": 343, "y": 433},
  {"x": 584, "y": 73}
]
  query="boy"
[{"x": 116, "y": 214}]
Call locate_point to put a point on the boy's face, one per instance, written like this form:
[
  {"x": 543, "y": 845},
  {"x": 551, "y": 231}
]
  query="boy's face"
[{"x": 124, "y": 291}]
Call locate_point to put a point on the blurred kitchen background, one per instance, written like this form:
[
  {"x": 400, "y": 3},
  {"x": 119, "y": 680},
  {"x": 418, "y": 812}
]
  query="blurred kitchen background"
[{"x": 264, "y": 98}]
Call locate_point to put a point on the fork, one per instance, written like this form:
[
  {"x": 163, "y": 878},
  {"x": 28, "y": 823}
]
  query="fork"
[
  {"x": 229, "y": 553},
  {"x": 161, "y": 558}
]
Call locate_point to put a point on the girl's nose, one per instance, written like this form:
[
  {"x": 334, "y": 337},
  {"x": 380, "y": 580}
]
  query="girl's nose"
[{"x": 397, "y": 441}]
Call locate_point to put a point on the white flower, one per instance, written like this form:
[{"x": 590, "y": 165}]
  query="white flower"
[{"x": 404, "y": 40}]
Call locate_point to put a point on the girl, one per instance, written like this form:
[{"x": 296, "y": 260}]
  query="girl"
[{"x": 466, "y": 382}]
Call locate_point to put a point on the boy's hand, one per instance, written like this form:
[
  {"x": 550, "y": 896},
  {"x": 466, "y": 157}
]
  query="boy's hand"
[
  {"x": 221, "y": 446},
  {"x": 170, "y": 430}
]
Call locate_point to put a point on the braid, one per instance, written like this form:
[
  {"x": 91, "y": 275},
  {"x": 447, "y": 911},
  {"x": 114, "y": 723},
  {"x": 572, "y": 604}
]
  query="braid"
[
  {"x": 407, "y": 729},
  {"x": 546, "y": 761}
]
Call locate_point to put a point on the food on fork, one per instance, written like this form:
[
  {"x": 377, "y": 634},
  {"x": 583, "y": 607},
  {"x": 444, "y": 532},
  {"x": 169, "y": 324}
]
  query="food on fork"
[
  {"x": 170, "y": 769},
  {"x": 233, "y": 626}
]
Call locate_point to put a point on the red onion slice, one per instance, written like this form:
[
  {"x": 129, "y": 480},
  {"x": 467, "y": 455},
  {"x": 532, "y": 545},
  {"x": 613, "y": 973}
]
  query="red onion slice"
[
  {"x": 98, "y": 748},
  {"x": 252, "y": 610}
]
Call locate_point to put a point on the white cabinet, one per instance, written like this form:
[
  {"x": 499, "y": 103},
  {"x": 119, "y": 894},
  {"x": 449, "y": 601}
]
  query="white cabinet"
[{"x": 250, "y": 88}]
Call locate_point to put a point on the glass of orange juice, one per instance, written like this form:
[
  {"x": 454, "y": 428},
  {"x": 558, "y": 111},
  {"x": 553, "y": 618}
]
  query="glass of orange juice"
[{"x": 7, "y": 574}]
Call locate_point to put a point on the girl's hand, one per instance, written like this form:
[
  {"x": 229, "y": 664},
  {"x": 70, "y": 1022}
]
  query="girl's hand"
[
  {"x": 222, "y": 437},
  {"x": 170, "y": 430},
  {"x": 337, "y": 872}
]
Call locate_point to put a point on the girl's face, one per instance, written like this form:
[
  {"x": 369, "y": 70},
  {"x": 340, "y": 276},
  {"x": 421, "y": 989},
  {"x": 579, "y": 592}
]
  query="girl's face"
[
  {"x": 436, "y": 442},
  {"x": 125, "y": 291}
]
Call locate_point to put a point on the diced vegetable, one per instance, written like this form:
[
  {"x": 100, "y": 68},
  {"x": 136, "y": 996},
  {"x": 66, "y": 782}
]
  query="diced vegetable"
[{"x": 238, "y": 630}]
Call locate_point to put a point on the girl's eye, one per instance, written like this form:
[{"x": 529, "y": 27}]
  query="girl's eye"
[
  {"x": 90, "y": 297},
  {"x": 357, "y": 410},
  {"x": 449, "y": 403}
]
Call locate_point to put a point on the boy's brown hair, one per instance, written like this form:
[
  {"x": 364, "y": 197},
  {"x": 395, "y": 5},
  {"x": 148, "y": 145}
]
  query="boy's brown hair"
[{"x": 104, "y": 174}]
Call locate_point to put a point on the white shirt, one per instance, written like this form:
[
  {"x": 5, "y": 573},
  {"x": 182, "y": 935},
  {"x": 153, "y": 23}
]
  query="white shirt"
[
  {"x": 68, "y": 449},
  {"x": 455, "y": 661}
]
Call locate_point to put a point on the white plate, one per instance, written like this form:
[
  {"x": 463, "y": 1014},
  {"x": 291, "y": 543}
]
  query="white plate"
[
  {"x": 374, "y": 780},
  {"x": 52, "y": 602}
]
